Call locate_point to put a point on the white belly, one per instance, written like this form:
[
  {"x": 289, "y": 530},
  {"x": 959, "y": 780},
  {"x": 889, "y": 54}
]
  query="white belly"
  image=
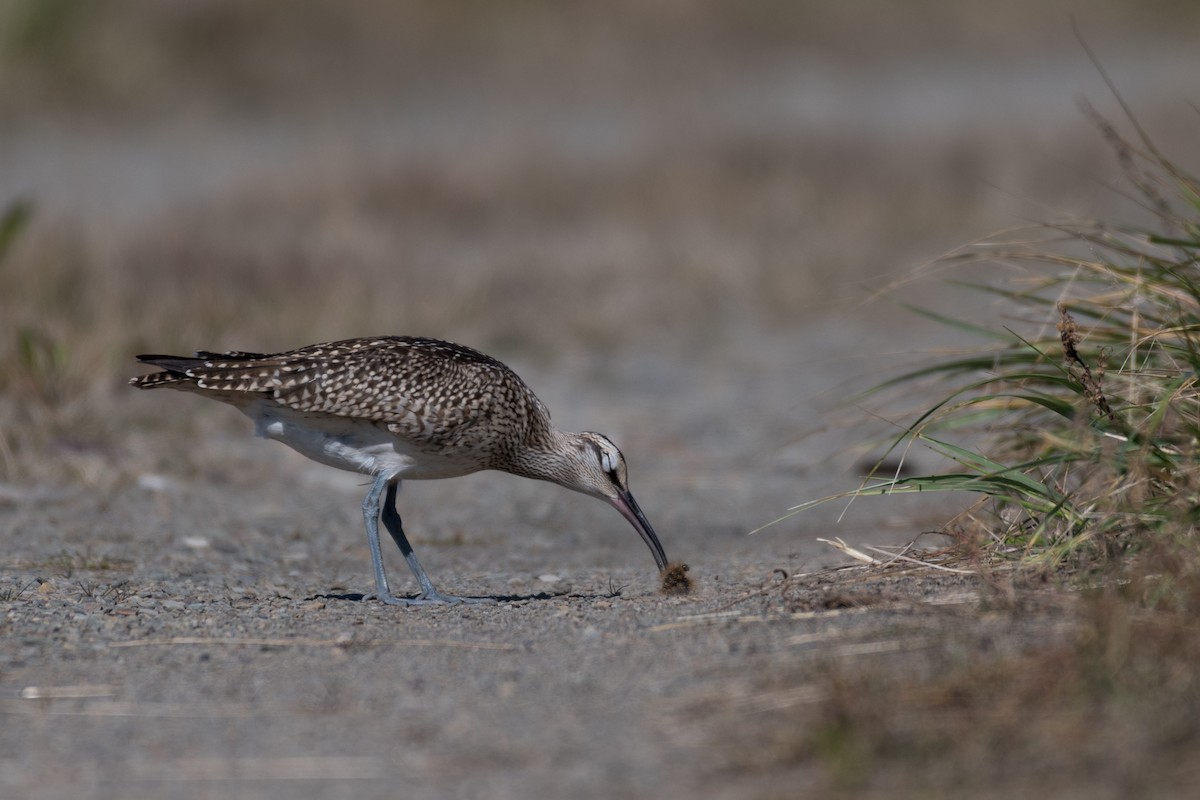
[{"x": 355, "y": 445}]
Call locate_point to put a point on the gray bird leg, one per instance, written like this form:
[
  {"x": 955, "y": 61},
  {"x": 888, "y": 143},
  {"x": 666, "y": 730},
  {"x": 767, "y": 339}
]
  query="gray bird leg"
[
  {"x": 391, "y": 519},
  {"x": 370, "y": 509}
]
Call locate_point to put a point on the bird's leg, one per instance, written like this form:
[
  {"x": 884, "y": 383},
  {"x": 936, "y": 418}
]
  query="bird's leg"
[
  {"x": 391, "y": 519},
  {"x": 370, "y": 509}
]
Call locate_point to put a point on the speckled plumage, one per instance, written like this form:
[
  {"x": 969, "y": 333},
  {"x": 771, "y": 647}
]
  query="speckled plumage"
[
  {"x": 397, "y": 407},
  {"x": 436, "y": 395}
]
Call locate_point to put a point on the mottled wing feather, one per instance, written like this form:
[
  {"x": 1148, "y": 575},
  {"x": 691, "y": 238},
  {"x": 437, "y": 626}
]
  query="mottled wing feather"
[{"x": 422, "y": 389}]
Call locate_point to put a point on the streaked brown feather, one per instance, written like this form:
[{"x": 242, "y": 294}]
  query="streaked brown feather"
[{"x": 426, "y": 390}]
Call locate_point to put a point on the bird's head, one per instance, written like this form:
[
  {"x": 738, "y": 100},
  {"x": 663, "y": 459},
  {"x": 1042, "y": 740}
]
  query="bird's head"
[{"x": 593, "y": 465}]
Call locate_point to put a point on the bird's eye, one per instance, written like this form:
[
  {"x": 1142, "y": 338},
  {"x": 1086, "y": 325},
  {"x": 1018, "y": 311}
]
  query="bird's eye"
[{"x": 608, "y": 461}]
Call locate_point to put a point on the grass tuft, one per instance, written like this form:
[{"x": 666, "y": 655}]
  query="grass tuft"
[{"x": 1080, "y": 426}]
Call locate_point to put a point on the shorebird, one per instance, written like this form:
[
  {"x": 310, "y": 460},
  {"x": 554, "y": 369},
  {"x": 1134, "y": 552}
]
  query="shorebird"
[{"x": 400, "y": 407}]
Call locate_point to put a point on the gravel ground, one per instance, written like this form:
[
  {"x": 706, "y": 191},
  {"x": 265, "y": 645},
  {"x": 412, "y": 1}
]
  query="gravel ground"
[{"x": 201, "y": 669}]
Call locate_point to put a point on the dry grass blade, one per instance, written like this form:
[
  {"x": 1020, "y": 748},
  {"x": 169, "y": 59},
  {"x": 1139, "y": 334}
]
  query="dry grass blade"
[
  {"x": 177, "y": 641},
  {"x": 918, "y": 562},
  {"x": 859, "y": 555}
]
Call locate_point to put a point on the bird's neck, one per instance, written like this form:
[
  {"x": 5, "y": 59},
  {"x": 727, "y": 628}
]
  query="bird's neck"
[{"x": 547, "y": 457}]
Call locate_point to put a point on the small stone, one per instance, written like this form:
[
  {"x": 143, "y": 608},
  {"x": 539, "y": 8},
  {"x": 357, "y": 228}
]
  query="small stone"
[{"x": 154, "y": 483}]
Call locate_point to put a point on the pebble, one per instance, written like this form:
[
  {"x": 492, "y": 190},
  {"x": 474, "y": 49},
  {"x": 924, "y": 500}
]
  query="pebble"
[{"x": 154, "y": 483}]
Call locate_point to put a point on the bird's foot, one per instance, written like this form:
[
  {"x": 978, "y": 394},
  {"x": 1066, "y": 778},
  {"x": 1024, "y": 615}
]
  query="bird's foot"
[{"x": 426, "y": 599}]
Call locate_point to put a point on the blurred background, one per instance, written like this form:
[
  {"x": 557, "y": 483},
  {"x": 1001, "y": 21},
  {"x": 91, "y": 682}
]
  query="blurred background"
[{"x": 670, "y": 217}]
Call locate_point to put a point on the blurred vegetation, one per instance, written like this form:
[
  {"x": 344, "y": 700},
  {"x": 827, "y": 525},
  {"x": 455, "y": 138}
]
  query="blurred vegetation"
[
  {"x": 1108, "y": 711},
  {"x": 136, "y": 56}
]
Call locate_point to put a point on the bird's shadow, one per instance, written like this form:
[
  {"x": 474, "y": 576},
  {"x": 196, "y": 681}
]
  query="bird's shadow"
[{"x": 360, "y": 597}]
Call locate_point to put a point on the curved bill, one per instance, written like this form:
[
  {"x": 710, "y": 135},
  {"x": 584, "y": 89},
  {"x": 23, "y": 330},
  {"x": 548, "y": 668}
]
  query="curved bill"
[{"x": 629, "y": 509}]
